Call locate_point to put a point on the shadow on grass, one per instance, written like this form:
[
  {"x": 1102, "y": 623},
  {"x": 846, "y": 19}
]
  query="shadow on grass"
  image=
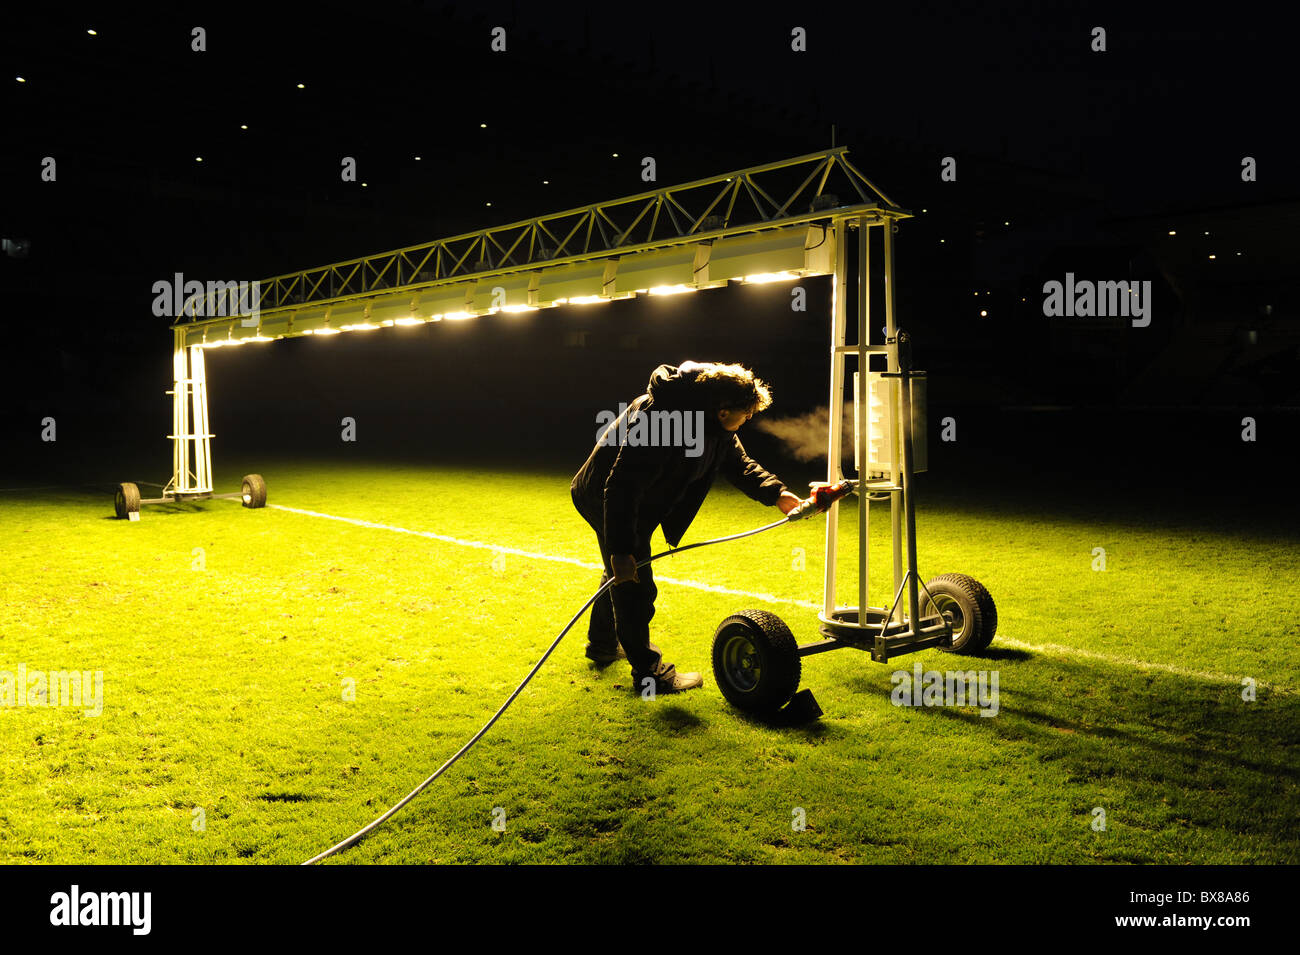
[
  {"x": 676, "y": 717},
  {"x": 158, "y": 510},
  {"x": 1188, "y": 751},
  {"x": 285, "y": 797},
  {"x": 807, "y": 729},
  {"x": 1003, "y": 653}
]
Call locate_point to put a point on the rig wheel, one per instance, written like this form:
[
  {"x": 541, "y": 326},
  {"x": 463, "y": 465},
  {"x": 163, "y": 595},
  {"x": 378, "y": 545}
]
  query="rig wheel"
[
  {"x": 126, "y": 501},
  {"x": 756, "y": 661},
  {"x": 253, "y": 491},
  {"x": 970, "y": 608}
]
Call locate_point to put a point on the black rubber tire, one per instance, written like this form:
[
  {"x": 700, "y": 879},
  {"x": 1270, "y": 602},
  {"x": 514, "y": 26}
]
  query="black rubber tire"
[
  {"x": 254, "y": 491},
  {"x": 126, "y": 501},
  {"x": 768, "y": 682},
  {"x": 977, "y": 609}
]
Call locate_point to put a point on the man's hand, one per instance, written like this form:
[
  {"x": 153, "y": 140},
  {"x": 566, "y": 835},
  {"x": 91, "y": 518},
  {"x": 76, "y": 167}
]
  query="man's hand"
[
  {"x": 788, "y": 502},
  {"x": 624, "y": 568}
]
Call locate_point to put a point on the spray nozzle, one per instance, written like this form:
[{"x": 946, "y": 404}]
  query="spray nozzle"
[{"x": 822, "y": 497}]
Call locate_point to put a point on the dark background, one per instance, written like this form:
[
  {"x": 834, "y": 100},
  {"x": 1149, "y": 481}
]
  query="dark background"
[{"x": 1068, "y": 160}]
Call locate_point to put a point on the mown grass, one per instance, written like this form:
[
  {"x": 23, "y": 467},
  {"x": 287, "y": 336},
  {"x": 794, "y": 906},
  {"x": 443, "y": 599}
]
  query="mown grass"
[{"x": 225, "y": 669}]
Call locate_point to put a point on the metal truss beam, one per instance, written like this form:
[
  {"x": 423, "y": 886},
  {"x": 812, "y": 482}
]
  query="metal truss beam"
[{"x": 803, "y": 189}]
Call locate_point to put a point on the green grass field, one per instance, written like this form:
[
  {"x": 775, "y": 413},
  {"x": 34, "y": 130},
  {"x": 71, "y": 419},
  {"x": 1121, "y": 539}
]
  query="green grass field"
[{"x": 228, "y": 638}]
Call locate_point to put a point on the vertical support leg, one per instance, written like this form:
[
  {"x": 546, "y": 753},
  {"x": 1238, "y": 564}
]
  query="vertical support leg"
[
  {"x": 835, "y": 407},
  {"x": 896, "y": 503},
  {"x": 180, "y": 415},
  {"x": 909, "y": 503},
  {"x": 900, "y": 357},
  {"x": 202, "y": 438},
  {"x": 864, "y": 412},
  {"x": 191, "y": 441}
]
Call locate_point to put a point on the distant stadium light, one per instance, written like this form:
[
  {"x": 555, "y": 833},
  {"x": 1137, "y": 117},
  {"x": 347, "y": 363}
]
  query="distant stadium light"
[{"x": 764, "y": 277}]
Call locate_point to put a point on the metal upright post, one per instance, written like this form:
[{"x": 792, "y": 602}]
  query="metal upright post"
[
  {"x": 863, "y": 418},
  {"x": 909, "y": 504},
  {"x": 191, "y": 440},
  {"x": 202, "y": 439},
  {"x": 180, "y": 482},
  {"x": 835, "y": 406},
  {"x": 895, "y": 386}
]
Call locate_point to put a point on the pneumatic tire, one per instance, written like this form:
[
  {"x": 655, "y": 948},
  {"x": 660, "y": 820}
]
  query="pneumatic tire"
[
  {"x": 756, "y": 661},
  {"x": 253, "y": 492},
  {"x": 970, "y": 608},
  {"x": 126, "y": 501}
]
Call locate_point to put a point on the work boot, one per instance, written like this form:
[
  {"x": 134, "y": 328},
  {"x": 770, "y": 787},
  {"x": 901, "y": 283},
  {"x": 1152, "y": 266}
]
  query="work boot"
[
  {"x": 668, "y": 680},
  {"x": 604, "y": 655}
]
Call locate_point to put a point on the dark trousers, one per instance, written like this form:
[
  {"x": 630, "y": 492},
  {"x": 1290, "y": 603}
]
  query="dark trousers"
[{"x": 622, "y": 614}]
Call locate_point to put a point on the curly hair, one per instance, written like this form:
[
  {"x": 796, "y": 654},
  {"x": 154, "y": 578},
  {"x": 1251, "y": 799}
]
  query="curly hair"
[{"x": 735, "y": 387}]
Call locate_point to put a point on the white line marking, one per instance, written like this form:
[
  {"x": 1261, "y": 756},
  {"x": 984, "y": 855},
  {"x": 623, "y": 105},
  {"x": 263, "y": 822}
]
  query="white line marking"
[
  {"x": 1056, "y": 649},
  {"x": 1003, "y": 641},
  {"x": 534, "y": 555}
]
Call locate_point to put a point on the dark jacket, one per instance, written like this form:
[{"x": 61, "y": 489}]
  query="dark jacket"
[{"x": 629, "y": 488}]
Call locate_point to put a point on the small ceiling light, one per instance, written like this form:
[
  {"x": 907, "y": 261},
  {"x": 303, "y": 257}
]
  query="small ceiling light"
[
  {"x": 20, "y": 79},
  {"x": 242, "y": 126},
  {"x": 546, "y": 182},
  {"x": 482, "y": 125},
  {"x": 983, "y": 314},
  {"x": 1211, "y": 256},
  {"x": 301, "y": 87},
  {"x": 1006, "y": 223},
  {"x": 1172, "y": 232},
  {"x": 198, "y": 159},
  {"x": 615, "y": 155},
  {"x": 364, "y": 184},
  {"x": 417, "y": 158},
  {"x": 1207, "y": 233},
  {"x": 92, "y": 33}
]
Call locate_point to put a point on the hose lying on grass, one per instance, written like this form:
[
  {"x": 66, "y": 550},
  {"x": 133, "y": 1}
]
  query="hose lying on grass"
[{"x": 360, "y": 834}]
